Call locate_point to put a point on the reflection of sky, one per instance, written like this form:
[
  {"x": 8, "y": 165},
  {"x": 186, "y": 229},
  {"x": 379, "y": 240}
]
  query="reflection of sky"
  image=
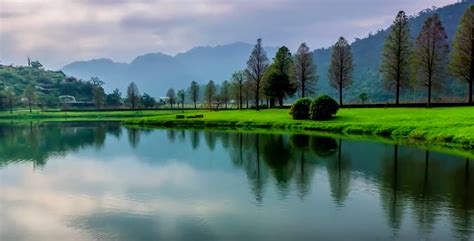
[{"x": 164, "y": 190}]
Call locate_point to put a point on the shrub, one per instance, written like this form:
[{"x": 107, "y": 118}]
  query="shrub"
[
  {"x": 300, "y": 109},
  {"x": 323, "y": 108}
]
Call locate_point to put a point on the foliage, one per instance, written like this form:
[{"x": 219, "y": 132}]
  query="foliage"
[
  {"x": 341, "y": 67},
  {"x": 30, "y": 94},
  {"x": 133, "y": 95},
  {"x": 363, "y": 97},
  {"x": 148, "y": 101},
  {"x": 114, "y": 99},
  {"x": 98, "y": 96},
  {"x": 300, "y": 109},
  {"x": 181, "y": 96},
  {"x": 461, "y": 65},
  {"x": 396, "y": 55},
  {"x": 210, "y": 93},
  {"x": 256, "y": 67},
  {"x": 305, "y": 68},
  {"x": 194, "y": 92},
  {"x": 171, "y": 97},
  {"x": 431, "y": 52},
  {"x": 279, "y": 77},
  {"x": 323, "y": 108},
  {"x": 238, "y": 85}
]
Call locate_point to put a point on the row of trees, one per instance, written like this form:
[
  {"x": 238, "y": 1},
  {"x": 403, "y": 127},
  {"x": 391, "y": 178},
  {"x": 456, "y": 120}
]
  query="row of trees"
[{"x": 425, "y": 61}]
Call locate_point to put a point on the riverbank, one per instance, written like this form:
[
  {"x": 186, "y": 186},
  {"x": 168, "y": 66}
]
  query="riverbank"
[{"x": 442, "y": 126}]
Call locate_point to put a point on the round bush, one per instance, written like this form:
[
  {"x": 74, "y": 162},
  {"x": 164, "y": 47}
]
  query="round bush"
[
  {"x": 300, "y": 109},
  {"x": 323, "y": 108}
]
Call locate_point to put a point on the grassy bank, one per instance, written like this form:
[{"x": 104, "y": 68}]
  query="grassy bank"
[{"x": 444, "y": 126}]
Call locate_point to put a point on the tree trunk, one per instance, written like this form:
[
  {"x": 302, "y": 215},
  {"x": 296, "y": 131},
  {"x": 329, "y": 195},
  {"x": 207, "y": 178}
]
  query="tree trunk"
[
  {"x": 281, "y": 101},
  {"x": 470, "y": 91},
  {"x": 29, "y": 104},
  {"x": 240, "y": 97},
  {"x": 340, "y": 95},
  {"x": 194, "y": 104},
  {"x": 302, "y": 88},
  {"x": 257, "y": 96},
  {"x": 429, "y": 94}
]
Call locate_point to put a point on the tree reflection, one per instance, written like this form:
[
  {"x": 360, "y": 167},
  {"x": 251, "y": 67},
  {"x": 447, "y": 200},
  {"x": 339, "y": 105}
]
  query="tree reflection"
[{"x": 339, "y": 173}]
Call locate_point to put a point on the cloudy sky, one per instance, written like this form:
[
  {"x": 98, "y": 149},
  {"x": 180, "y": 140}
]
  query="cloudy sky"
[{"x": 58, "y": 32}]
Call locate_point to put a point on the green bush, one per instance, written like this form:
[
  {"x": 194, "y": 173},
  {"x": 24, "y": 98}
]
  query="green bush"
[
  {"x": 323, "y": 108},
  {"x": 300, "y": 109}
]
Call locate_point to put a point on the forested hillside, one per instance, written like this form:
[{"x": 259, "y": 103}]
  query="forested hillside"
[
  {"x": 367, "y": 54},
  {"x": 48, "y": 85}
]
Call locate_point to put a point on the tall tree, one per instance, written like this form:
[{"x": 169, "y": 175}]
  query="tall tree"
[
  {"x": 194, "y": 92},
  {"x": 279, "y": 77},
  {"x": 461, "y": 65},
  {"x": 225, "y": 92},
  {"x": 133, "y": 94},
  {"x": 238, "y": 78},
  {"x": 256, "y": 67},
  {"x": 305, "y": 69},
  {"x": 210, "y": 93},
  {"x": 181, "y": 96},
  {"x": 431, "y": 52},
  {"x": 341, "y": 67},
  {"x": 396, "y": 55},
  {"x": 171, "y": 97},
  {"x": 148, "y": 101},
  {"x": 30, "y": 95},
  {"x": 98, "y": 96}
]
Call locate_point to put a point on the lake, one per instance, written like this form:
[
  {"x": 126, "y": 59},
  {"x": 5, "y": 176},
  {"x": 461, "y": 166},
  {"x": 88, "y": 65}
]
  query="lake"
[{"x": 103, "y": 181}]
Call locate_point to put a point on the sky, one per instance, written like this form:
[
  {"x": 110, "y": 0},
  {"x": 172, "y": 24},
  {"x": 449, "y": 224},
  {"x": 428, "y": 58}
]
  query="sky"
[{"x": 58, "y": 32}]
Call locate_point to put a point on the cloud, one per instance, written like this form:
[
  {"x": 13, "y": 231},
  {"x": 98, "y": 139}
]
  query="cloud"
[{"x": 58, "y": 31}]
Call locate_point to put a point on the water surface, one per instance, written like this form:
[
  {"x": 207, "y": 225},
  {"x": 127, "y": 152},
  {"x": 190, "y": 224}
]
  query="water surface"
[{"x": 102, "y": 181}]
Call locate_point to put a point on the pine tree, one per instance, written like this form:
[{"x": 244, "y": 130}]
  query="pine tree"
[
  {"x": 431, "y": 52},
  {"x": 461, "y": 65},
  {"x": 341, "y": 67},
  {"x": 396, "y": 55}
]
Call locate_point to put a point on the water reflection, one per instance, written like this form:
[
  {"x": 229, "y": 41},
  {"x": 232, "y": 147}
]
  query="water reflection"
[{"x": 184, "y": 176}]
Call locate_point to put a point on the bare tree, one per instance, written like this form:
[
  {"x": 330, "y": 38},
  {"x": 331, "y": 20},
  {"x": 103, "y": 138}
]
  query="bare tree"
[
  {"x": 341, "y": 68},
  {"x": 133, "y": 94},
  {"x": 238, "y": 79},
  {"x": 171, "y": 97},
  {"x": 256, "y": 67},
  {"x": 305, "y": 69},
  {"x": 225, "y": 93},
  {"x": 431, "y": 52}
]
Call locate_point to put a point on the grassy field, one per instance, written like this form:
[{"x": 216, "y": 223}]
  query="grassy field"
[{"x": 445, "y": 126}]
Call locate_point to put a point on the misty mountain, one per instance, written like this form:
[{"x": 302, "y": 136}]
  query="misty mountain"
[{"x": 155, "y": 72}]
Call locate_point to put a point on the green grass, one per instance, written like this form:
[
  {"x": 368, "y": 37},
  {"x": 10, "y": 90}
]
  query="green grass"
[
  {"x": 446, "y": 126},
  {"x": 442, "y": 126}
]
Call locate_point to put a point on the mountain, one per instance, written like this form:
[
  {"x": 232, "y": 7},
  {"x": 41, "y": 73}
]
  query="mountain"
[{"x": 155, "y": 72}]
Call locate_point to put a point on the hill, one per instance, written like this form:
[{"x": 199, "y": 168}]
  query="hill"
[
  {"x": 156, "y": 72},
  {"x": 49, "y": 84}
]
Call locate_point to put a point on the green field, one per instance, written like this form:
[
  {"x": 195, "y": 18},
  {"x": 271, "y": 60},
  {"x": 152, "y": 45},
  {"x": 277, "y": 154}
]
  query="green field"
[{"x": 445, "y": 126}]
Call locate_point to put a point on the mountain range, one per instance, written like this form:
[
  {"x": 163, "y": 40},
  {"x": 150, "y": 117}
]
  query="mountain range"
[{"x": 154, "y": 73}]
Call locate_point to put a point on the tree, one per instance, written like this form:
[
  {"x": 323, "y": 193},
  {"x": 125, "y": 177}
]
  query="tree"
[
  {"x": 98, "y": 96},
  {"x": 431, "y": 52},
  {"x": 396, "y": 55},
  {"x": 278, "y": 81},
  {"x": 225, "y": 92},
  {"x": 181, "y": 96},
  {"x": 133, "y": 94},
  {"x": 238, "y": 78},
  {"x": 30, "y": 94},
  {"x": 210, "y": 93},
  {"x": 194, "y": 92},
  {"x": 96, "y": 81},
  {"x": 171, "y": 97},
  {"x": 148, "y": 101},
  {"x": 305, "y": 69},
  {"x": 363, "y": 97},
  {"x": 114, "y": 99},
  {"x": 9, "y": 95},
  {"x": 341, "y": 68},
  {"x": 36, "y": 64},
  {"x": 461, "y": 65},
  {"x": 256, "y": 67}
]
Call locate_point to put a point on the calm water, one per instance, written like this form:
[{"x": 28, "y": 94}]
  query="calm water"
[{"x": 107, "y": 182}]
